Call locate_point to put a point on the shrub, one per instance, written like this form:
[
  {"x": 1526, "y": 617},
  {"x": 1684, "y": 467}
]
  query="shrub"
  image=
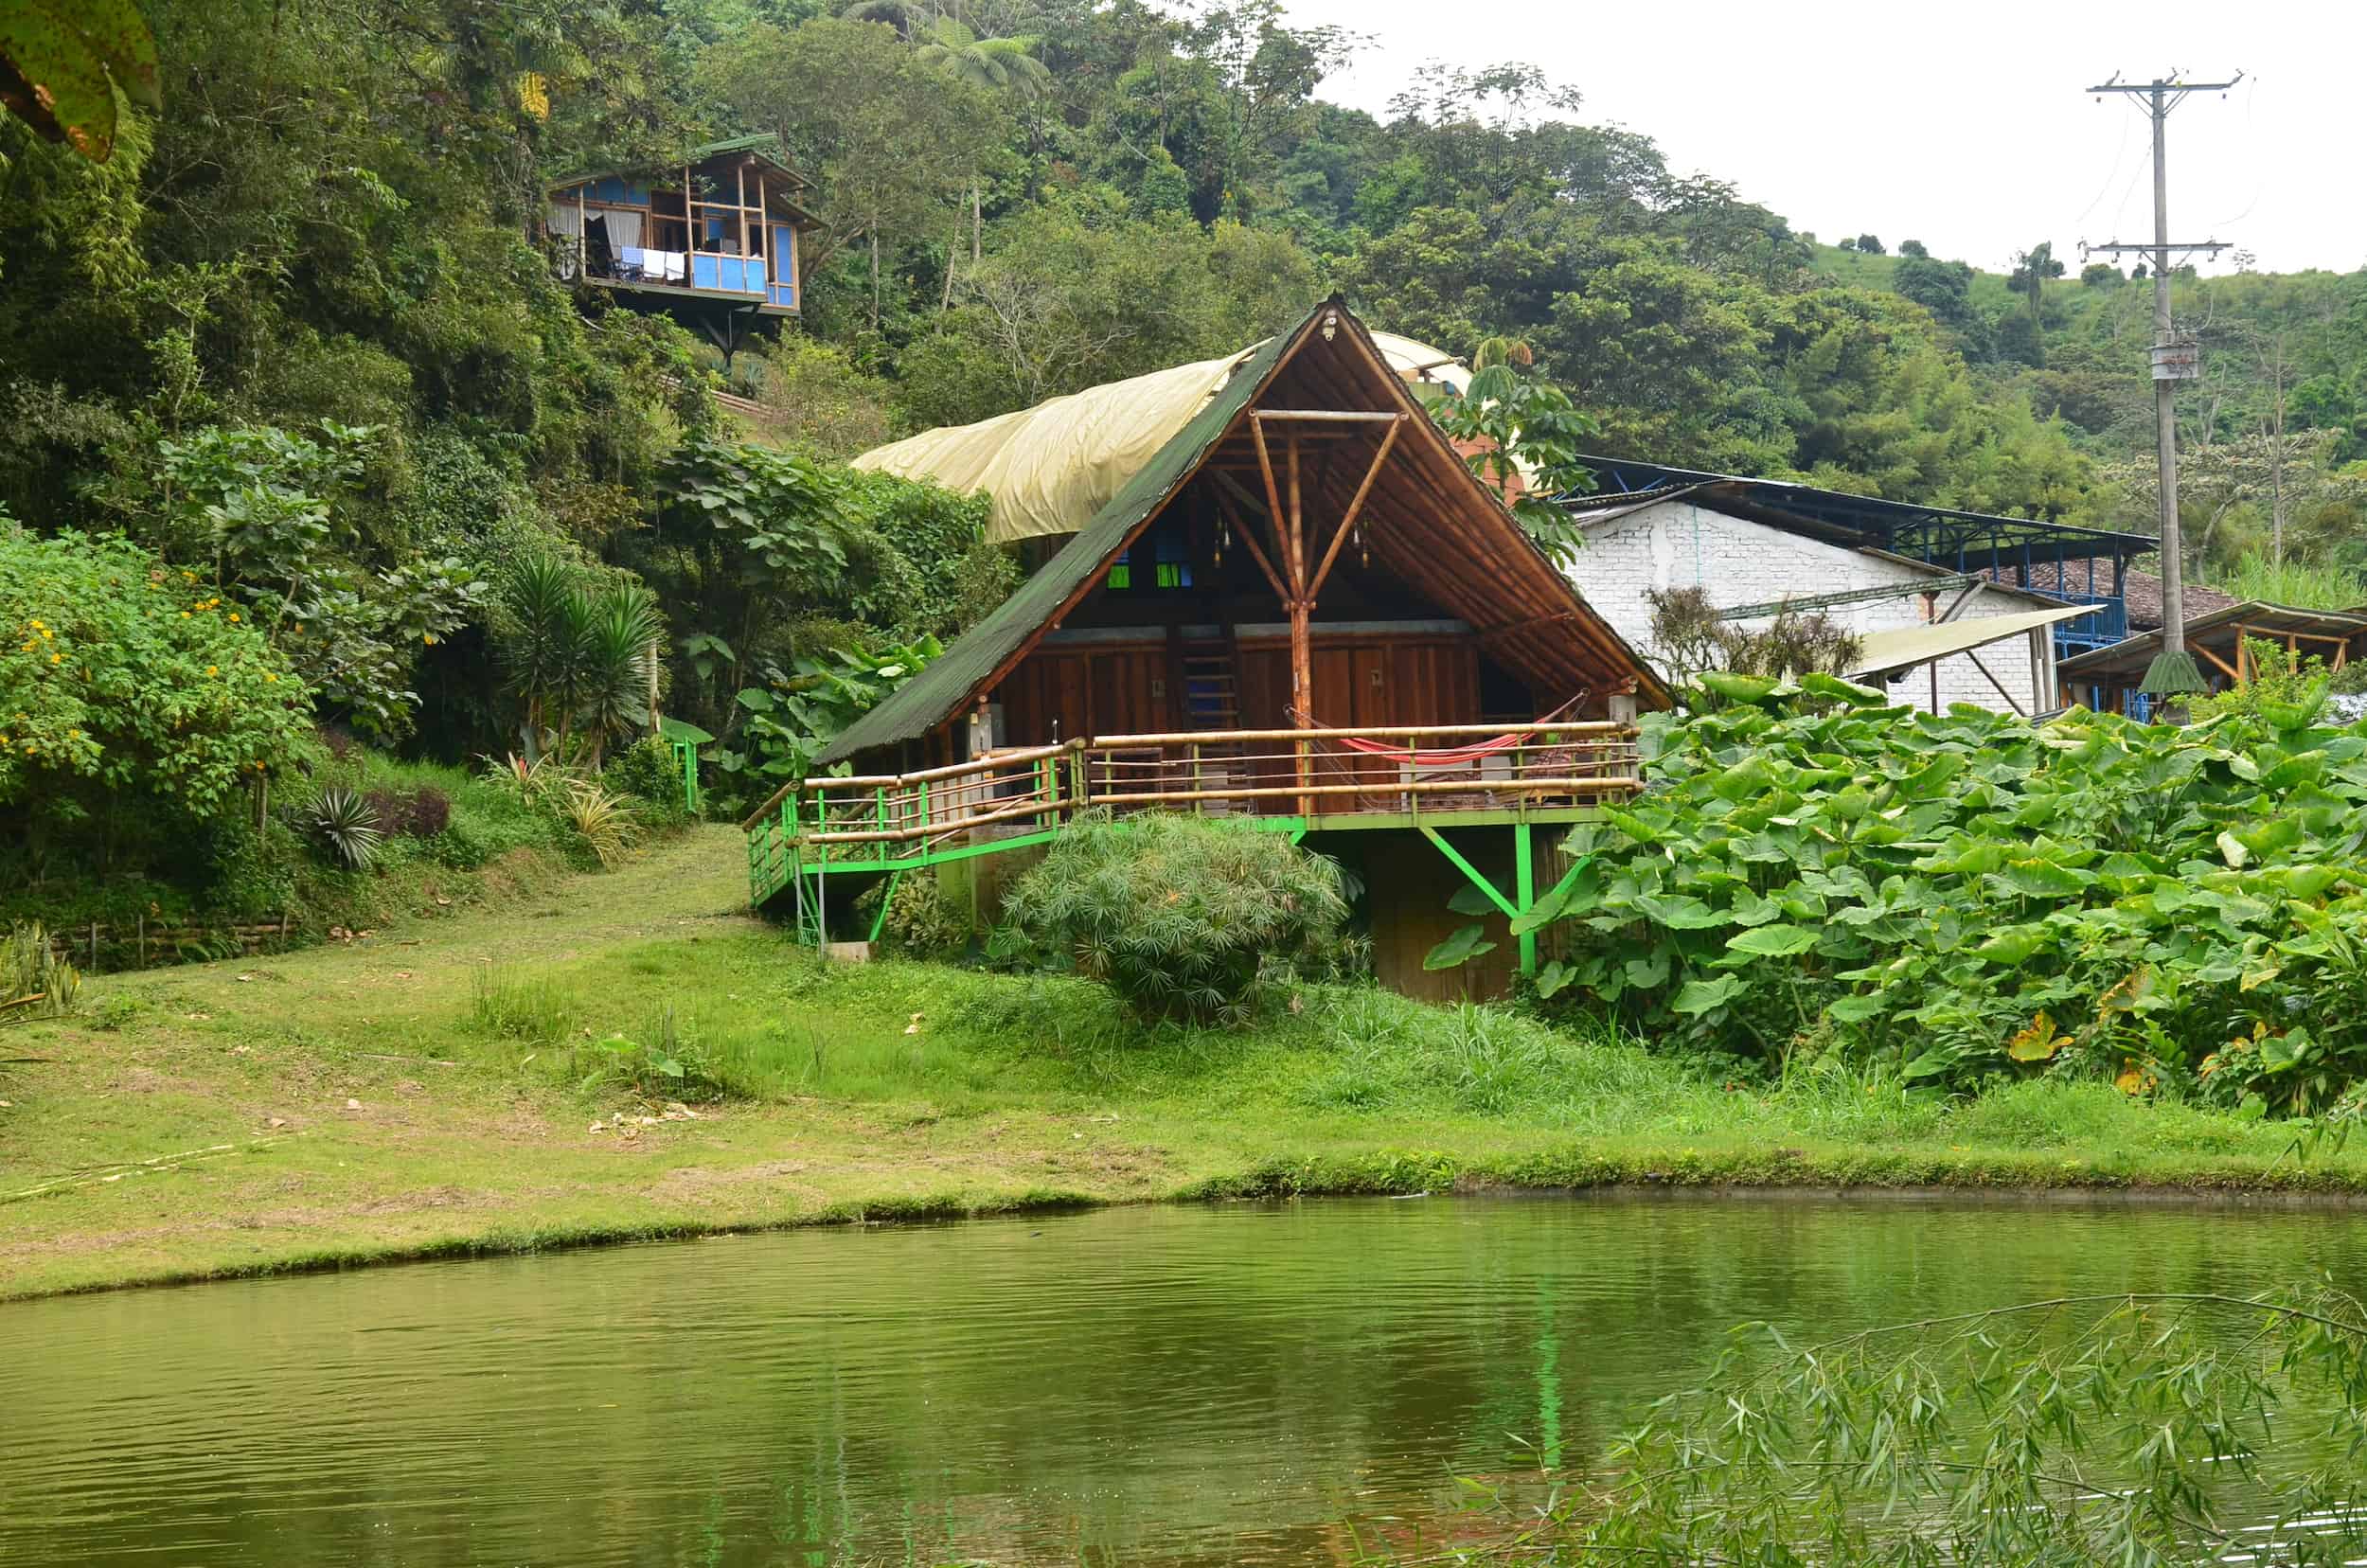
[
  {"x": 919, "y": 921},
  {"x": 1949, "y": 895},
  {"x": 649, "y": 771},
  {"x": 1180, "y": 916},
  {"x": 117, "y": 676},
  {"x": 420, "y": 813}
]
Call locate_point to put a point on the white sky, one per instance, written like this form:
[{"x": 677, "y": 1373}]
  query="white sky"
[{"x": 1962, "y": 126}]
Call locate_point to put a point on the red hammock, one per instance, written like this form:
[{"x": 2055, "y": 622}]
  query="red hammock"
[{"x": 1449, "y": 756}]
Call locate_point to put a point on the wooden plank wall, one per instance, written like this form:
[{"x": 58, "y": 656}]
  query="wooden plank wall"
[
  {"x": 1122, "y": 689},
  {"x": 1363, "y": 680},
  {"x": 1105, "y": 688},
  {"x": 1408, "y": 884}
]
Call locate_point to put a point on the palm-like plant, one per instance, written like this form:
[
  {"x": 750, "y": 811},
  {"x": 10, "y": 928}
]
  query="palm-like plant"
[
  {"x": 578, "y": 656},
  {"x": 995, "y": 65},
  {"x": 615, "y": 663},
  {"x": 992, "y": 64},
  {"x": 543, "y": 603}
]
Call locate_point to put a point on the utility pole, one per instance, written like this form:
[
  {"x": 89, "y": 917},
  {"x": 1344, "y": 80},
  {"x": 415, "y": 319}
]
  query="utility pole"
[{"x": 2174, "y": 671}]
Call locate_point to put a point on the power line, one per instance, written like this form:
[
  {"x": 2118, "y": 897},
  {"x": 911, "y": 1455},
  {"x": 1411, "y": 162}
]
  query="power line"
[{"x": 2174, "y": 671}]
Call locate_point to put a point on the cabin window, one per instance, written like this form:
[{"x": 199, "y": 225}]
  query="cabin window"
[
  {"x": 1172, "y": 560},
  {"x": 1121, "y": 571}
]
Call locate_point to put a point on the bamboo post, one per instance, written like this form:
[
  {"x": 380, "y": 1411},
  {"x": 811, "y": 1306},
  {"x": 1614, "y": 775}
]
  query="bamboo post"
[{"x": 1302, "y": 641}]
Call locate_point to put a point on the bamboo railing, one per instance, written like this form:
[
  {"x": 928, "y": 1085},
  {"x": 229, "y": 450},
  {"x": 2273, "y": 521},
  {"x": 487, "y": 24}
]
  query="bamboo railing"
[{"x": 1425, "y": 772}]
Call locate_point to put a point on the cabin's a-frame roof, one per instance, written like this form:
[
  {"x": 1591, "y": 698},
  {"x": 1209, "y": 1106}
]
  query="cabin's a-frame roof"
[{"x": 1456, "y": 541}]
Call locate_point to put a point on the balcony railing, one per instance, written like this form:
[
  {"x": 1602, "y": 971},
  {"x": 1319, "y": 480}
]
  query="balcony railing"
[{"x": 1424, "y": 772}]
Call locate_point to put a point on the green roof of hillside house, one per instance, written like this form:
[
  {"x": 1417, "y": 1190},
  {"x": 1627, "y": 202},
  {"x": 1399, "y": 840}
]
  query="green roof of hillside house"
[
  {"x": 1459, "y": 543},
  {"x": 763, "y": 146},
  {"x": 928, "y": 698}
]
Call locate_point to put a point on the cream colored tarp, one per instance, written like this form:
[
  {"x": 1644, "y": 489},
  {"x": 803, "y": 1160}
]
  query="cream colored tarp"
[
  {"x": 1904, "y": 647},
  {"x": 1052, "y": 467}
]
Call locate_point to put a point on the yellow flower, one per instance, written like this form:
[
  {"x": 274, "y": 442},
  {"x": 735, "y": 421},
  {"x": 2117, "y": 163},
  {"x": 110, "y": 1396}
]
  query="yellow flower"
[
  {"x": 74, "y": 735},
  {"x": 428, "y": 638},
  {"x": 35, "y": 625},
  {"x": 213, "y": 669},
  {"x": 234, "y": 614},
  {"x": 185, "y": 615},
  {"x": 274, "y": 679},
  {"x": 46, "y": 636},
  {"x": 57, "y": 658}
]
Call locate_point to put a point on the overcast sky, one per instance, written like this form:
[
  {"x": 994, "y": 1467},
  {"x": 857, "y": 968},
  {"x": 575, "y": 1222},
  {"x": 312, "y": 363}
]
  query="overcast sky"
[{"x": 1962, "y": 126}]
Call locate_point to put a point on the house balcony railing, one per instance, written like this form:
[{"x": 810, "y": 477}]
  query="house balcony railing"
[
  {"x": 1423, "y": 773},
  {"x": 2108, "y": 625}
]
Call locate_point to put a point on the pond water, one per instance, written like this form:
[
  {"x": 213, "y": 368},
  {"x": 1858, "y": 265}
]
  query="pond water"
[{"x": 1175, "y": 1385}]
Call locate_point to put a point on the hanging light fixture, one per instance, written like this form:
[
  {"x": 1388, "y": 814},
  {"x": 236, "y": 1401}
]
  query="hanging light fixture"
[{"x": 1331, "y": 325}]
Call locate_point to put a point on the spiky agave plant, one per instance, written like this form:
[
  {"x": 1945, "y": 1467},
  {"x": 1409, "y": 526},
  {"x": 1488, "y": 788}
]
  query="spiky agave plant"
[{"x": 348, "y": 826}]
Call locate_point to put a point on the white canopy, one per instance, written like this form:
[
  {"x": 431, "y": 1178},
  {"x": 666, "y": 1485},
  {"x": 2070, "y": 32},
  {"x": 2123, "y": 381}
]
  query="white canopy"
[
  {"x": 1904, "y": 647},
  {"x": 1051, "y": 468}
]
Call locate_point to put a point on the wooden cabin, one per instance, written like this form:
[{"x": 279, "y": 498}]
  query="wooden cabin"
[
  {"x": 1304, "y": 609},
  {"x": 721, "y": 230}
]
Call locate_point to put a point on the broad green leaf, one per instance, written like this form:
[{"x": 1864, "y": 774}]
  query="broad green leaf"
[
  {"x": 1681, "y": 911},
  {"x": 1739, "y": 688},
  {"x": 2271, "y": 837},
  {"x": 2012, "y": 945},
  {"x": 1743, "y": 780},
  {"x": 1649, "y": 972},
  {"x": 2282, "y": 1053},
  {"x": 1470, "y": 900},
  {"x": 1832, "y": 688},
  {"x": 1552, "y": 978},
  {"x": 1466, "y": 943},
  {"x": 2043, "y": 879},
  {"x": 1857, "y": 1009},
  {"x": 1701, "y": 996},
  {"x": 1932, "y": 1063},
  {"x": 71, "y": 54},
  {"x": 1773, "y": 941}
]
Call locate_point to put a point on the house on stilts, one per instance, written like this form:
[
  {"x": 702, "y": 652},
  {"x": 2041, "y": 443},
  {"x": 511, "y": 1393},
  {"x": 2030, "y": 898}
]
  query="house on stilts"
[
  {"x": 1273, "y": 592},
  {"x": 711, "y": 242}
]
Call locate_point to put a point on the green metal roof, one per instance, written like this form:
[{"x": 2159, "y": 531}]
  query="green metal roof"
[
  {"x": 932, "y": 696},
  {"x": 763, "y": 144}
]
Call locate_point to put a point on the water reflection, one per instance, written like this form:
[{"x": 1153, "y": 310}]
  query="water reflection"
[{"x": 1182, "y": 1385}]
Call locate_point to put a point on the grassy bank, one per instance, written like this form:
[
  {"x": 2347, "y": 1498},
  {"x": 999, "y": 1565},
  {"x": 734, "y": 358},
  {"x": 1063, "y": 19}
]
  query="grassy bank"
[{"x": 434, "y": 1089}]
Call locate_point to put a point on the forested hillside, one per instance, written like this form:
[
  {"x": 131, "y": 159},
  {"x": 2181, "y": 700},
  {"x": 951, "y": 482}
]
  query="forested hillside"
[{"x": 300, "y": 339}]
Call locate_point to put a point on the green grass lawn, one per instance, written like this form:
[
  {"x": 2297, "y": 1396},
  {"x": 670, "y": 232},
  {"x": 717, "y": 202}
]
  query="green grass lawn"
[{"x": 434, "y": 1089}]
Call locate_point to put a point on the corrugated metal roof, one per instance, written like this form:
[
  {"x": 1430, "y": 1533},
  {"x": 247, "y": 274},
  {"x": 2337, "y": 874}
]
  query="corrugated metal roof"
[{"x": 2251, "y": 615}]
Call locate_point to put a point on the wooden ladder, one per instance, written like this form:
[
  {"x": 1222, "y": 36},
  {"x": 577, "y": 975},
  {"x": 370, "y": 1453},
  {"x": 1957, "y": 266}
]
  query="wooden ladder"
[{"x": 1212, "y": 701}]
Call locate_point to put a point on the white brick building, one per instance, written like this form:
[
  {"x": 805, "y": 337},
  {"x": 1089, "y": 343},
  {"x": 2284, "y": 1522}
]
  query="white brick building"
[{"x": 1634, "y": 545}]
